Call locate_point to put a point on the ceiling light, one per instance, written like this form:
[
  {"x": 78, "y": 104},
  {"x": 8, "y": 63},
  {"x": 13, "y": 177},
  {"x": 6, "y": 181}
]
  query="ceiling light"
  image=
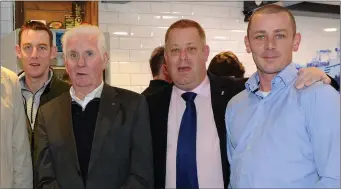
[
  {"x": 120, "y": 33},
  {"x": 330, "y": 29}
]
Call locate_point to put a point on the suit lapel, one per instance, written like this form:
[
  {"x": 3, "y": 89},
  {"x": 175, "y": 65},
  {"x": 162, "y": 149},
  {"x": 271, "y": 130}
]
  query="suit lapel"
[
  {"x": 158, "y": 110},
  {"x": 66, "y": 127},
  {"x": 219, "y": 101},
  {"x": 108, "y": 110}
]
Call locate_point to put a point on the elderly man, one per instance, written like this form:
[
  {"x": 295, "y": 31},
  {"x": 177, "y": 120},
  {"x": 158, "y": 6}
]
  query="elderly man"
[
  {"x": 95, "y": 136},
  {"x": 278, "y": 136},
  {"x": 187, "y": 119},
  {"x": 15, "y": 157}
]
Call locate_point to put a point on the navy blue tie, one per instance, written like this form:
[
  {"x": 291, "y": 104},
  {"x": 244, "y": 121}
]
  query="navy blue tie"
[{"x": 186, "y": 161}]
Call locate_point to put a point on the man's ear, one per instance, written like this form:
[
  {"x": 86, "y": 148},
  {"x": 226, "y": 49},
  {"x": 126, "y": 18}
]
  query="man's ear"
[
  {"x": 18, "y": 51},
  {"x": 165, "y": 73},
  {"x": 105, "y": 60},
  {"x": 247, "y": 44},
  {"x": 207, "y": 52},
  {"x": 297, "y": 41},
  {"x": 53, "y": 52}
]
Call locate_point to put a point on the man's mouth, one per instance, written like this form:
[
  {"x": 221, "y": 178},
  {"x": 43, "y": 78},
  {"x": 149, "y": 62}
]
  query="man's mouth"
[
  {"x": 270, "y": 57},
  {"x": 81, "y": 74},
  {"x": 34, "y": 64},
  {"x": 184, "y": 69}
]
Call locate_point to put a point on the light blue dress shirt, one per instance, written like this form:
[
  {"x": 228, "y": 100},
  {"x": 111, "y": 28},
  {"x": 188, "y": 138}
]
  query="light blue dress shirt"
[{"x": 287, "y": 139}]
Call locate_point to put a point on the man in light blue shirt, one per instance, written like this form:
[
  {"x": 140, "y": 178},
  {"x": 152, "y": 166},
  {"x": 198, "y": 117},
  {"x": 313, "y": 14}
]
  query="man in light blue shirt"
[{"x": 278, "y": 136}]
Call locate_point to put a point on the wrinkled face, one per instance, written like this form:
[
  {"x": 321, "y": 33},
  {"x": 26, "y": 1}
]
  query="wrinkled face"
[
  {"x": 35, "y": 52},
  {"x": 186, "y": 55},
  {"x": 83, "y": 61},
  {"x": 271, "y": 41}
]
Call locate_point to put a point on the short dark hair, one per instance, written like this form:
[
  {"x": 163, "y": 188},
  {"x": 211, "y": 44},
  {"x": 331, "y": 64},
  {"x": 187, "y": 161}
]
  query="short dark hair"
[
  {"x": 36, "y": 26},
  {"x": 272, "y": 9},
  {"x": 226, "y": 64},
  {"x": 186, "y": 23},
  {"x": 156, "y": 60}
]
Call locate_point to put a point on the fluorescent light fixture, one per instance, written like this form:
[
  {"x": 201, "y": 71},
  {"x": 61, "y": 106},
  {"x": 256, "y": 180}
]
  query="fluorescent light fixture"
[
  {"x": 238, "y": 31},
  {"x": 120, "y": 33},
  {"x": 169, "y": 17},
  {"x": 157, "y": 17},
  {"x": 330, "y": 29},
  {"x": 220, "y": 37}
]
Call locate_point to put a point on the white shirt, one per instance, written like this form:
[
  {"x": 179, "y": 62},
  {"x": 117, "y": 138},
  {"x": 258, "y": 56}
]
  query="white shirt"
[
  {"x": 209, "y": 167},
  {"x": 96, "y": 93}
]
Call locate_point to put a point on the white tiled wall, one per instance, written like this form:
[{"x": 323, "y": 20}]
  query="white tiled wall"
[
  {"x": 6, "y": 20},
  {"x": 138, "y": 27},
  {"x": 6, "y": 17}
]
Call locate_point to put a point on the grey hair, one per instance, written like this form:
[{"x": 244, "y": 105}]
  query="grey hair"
[{"x": 85, "y": 30}]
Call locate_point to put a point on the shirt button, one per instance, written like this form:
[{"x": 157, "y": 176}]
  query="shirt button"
[{"x": 248, "y": 147}]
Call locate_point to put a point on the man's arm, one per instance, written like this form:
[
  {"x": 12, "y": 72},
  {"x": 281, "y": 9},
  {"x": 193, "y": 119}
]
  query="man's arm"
[
  {"x": 22, "y": 163},
  {"x": 44, "y": 173},
  {"x": 141, "y": 163},
  {"x": 322, "y": 108}
]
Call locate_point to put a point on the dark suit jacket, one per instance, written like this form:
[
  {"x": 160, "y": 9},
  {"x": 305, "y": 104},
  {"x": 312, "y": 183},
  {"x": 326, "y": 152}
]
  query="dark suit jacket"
[
  {"x": 55, "y": 88},
  {"x": 154, "y": 86},
  {"x": 121, "y": 154},
  {"x": 222, "y": 90}
]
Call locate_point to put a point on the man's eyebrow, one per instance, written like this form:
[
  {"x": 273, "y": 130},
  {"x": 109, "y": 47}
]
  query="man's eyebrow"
[{"x": 280, "y": 30}]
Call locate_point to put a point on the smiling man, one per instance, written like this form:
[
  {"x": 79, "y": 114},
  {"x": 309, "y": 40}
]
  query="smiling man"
[
  {"x": 278, "y": 136},
  {"x": 38, "y": 82}
]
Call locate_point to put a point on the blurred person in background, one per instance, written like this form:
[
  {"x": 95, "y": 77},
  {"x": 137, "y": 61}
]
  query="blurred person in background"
[
  {"x": 226, "y": 64},
  {"x": 159, "y": 71}
]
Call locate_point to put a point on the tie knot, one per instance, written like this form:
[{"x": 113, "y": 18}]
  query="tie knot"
[{"x": 189, "y": 96}]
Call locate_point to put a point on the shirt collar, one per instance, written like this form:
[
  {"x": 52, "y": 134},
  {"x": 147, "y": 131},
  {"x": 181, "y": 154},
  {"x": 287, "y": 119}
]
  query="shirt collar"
[
  {"x": 203, "y": 89},
  {"x": 96, "y": 93},
  {"x": 23, "y": 82},
  {"x": 283, "y": 78}
]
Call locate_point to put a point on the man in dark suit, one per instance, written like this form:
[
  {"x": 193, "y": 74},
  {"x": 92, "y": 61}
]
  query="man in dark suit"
[
  {"x": 187, "y": 119},
  {"x": 158, "y": 68},
  {"x": 96, "y": 136}
]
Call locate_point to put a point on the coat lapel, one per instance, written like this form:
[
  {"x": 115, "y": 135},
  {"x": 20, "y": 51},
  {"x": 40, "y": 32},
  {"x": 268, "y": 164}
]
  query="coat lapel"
[
  {"x": 66, "y": 127},
  {"x": 219, "y": 98},
  {"x": 108, "y": 110}
]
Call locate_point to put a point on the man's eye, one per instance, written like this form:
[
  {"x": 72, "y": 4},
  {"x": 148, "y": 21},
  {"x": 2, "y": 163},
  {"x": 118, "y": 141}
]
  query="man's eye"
[
  {"x": 73, "y": 55},
  {"x": 175, "y": 50},
  {"x": 43, "y": 48},
  {"x": 89, "y": 53},
  {"x": 191, "y": 49},
  {"x": 260, "y": 37},
  {"x": 27, "y": 47},
  {"x": 280, "y": 36}
]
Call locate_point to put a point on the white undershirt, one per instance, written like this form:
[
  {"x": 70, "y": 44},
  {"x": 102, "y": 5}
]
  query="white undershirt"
[
  {"x": 209, "y": 165},
  {"x": 96, "y": 93}
]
